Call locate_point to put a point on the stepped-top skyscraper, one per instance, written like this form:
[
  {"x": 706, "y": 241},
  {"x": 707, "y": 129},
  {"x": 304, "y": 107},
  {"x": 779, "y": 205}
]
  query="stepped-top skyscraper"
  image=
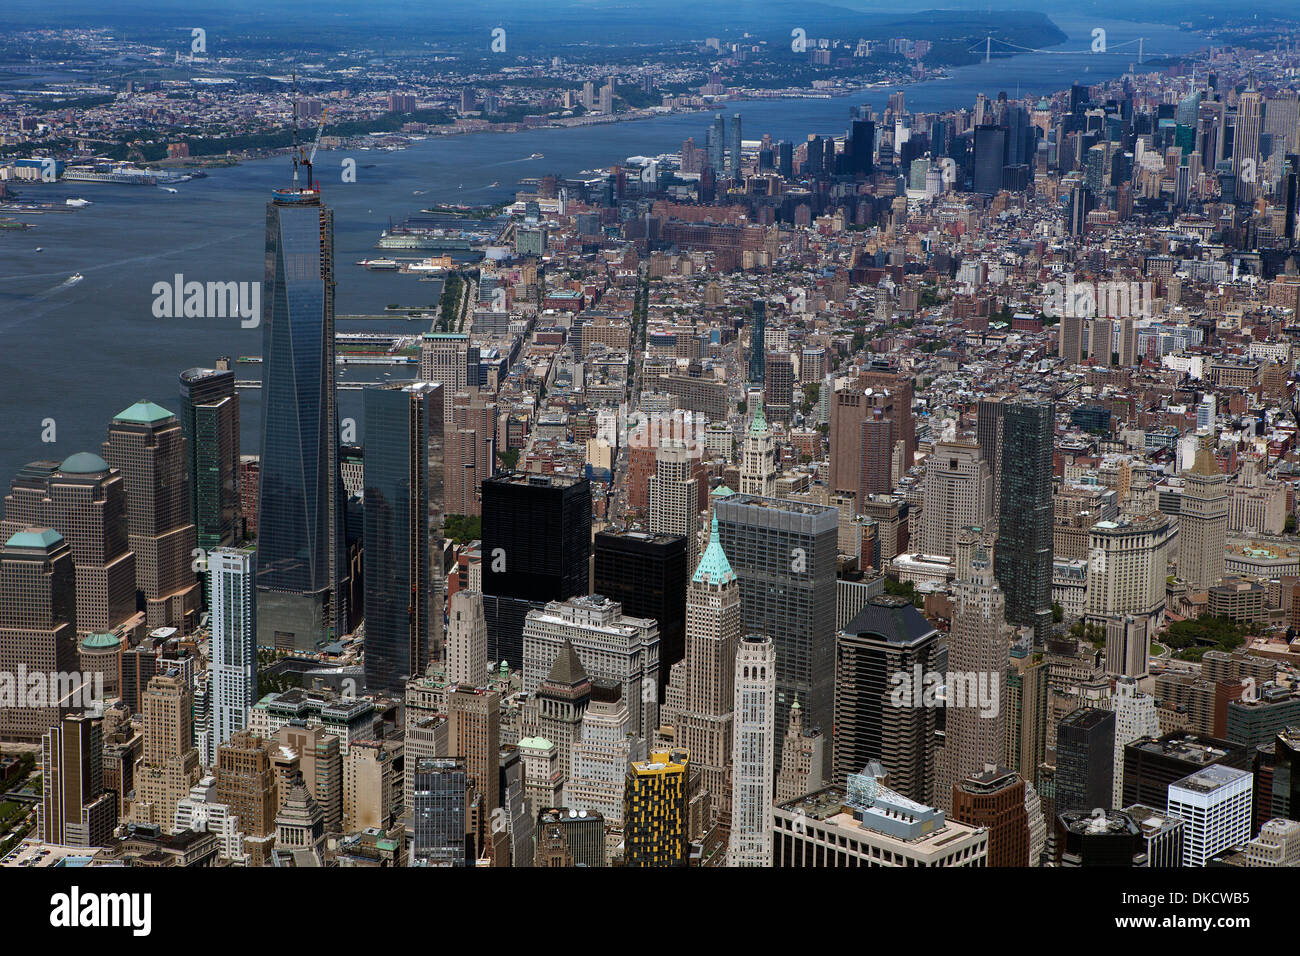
[
  {"x": 1203, "y": 523},
  {"x": 1023, "y": 555},
  {"x": 300, "y": 514}
]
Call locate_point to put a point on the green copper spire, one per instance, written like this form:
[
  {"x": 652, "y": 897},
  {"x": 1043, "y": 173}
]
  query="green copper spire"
[
  {"x": 714, "y": 568},
  {"x": 759, "y": 424}
]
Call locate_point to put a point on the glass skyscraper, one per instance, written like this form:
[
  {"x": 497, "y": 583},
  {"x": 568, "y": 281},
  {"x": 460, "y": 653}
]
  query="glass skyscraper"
[
  {"x": 209, "y": 417},
  {"x": 1022, "y": 557},
  {"x": 758, "y": 344},
  {"x": 403, "y": 531},
  {"x": 300, "y": 514},
  {"x": 783, "y": 552}
]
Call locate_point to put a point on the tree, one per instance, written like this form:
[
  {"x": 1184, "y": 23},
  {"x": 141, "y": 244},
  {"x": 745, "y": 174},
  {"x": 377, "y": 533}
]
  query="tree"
[
  {"x": 1058, "y": 613},
  {"x": 1290, "y": 525}
]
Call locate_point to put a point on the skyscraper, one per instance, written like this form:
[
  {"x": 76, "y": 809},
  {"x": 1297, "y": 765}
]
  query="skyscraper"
[
  {"x": 758, "y": 458},
  {"x": 647, "y": 574},
  {"x": 881, "y": 712},
  {"x": 994, "y": 798},
  {"x": 988, "y": 435},
  {"x": 209, "y": 417},
  {"x": 784, "y": 554},
  {"x": 403, "y": 532},
  {"x": 37, "y": 634},
  {"x": 467, "y": 650},
  {"x": 990, "y": 156},
  {"x": 470, "y": 452},
  {"x": 699, "y": 698},
  {"x": 147, "y": 445},
  {"x": 958, "y": 493},
  {"x": 301, "y": 601},
  {"x": 1023, "y": 555},
  {"x": 610, "y": 644},
  {"x": 75, "y": 810},
  {"x": 231, "y": 598},
  {"x": 440, "y": 813},
  {"x": 169, "y": 764},
  {"x": 474, "y": 736},
  {"x": 674, "y": 498},
  {"x": 758, "y": 343},
  {"x": 753, "y": 753},
  {"x": 1245, "y": 144},
  {"x": 733, "y": 155},
  {"x": 1202, "y": 522},
  {"x": 655, "y": 811},
  {"x": 85, "y": 502},
  {"x": 978, "y": 657},
  {"x": 1085, "y": 760},
  {"x": 536, "y": 548}
]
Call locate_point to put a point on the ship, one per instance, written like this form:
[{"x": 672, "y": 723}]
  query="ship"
[
  {"x": 379, "y": 265},
  {"x": 74, "y": 201},
  {"x": 536, "y": 156},
  {"x": 75, "y": 278},
  {"x": 423, "y": 242},
  {"x": 168, "y": 189}
]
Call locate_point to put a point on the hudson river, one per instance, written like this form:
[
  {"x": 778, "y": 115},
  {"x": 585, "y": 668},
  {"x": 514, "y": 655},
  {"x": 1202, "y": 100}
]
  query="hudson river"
[{"x": 79, "y": 353}]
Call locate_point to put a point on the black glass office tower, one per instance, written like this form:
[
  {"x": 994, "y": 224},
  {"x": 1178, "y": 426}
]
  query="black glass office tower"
[
  {"x": 647, "y": 574},
  {"x": 300, "y": 516},
  {"x": 862, "y": 148},
  {"x": 1085, "y": 760},
  {"x": 758, "y": 344},
  {"x": 209, "y": 417},
  {"x": 990, "y": 157},
  {"x": 1022, "y": 557},
  {"x": 536, "y": 548},
  {"x": 402, "y": 567}
]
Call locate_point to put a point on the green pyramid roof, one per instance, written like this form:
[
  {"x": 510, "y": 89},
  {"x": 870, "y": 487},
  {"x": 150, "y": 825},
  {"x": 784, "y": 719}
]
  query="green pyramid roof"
[
  {"x": 143, "y": 412},
  {"x": 759, "y": 424},
  {"x": 714, "y": 568},
  {"x": 34, "y": 538}
]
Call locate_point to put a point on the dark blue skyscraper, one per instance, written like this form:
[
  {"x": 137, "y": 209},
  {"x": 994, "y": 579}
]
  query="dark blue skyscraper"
[
  {"x": 403, "y": 531},
  {"x": 990, "y": 157},
  {"x": 300, "y": 514},
  {"x": 1022, "y": 557},
  {"x": 209, "y": 417},
  {"x": 758, "y": 344}
]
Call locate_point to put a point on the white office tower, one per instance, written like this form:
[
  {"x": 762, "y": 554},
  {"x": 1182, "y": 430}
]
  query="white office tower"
[
  {"x": 674, "y": 494},
  {"x": 611, "y": 646},
  {"x": 1206, "y": 413},
  {"x": 233, "y": 652},
  {"x": 1215, "y": 803},
  {"x": 1202, "y": 522},
  {"x": 201, "y": 813},
  {"x": 1135, "y": 717},
  {"x": 758, "y": 461},
  {"x": 467, "y": 643},
  {"x": 606, "y": 747},
  {"x": 958, "y": 493},
  {"x": 979, "y": 653},
  {"x": 753, "y": 760}
]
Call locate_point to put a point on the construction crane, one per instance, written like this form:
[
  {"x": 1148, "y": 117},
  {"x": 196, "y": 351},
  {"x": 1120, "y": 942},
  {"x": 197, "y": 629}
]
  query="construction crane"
[{"x": 315, "y": 146}]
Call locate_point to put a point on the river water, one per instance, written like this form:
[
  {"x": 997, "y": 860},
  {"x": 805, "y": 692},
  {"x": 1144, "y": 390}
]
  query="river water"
[{"x": 79, "y": 353}]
